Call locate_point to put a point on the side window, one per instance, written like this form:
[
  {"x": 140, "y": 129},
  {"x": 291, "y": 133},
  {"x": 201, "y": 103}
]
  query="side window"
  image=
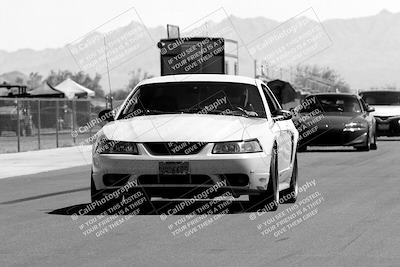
[{"x": 272, "y": 103}]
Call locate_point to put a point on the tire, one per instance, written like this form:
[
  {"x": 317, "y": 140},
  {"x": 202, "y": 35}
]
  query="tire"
[
  {"x": 269, "y": 199},
  {"x": 293, "y": 190},
  {"x": 94, "y": 194},
  {"x": 373, "y": 145},
  {"x": 97, "y": 195}
]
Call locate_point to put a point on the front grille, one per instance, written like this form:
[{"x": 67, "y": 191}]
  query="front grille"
[
  {"x": 394, "y": 128},
  {"x": 383, "y": 118},
  {"x": 174, "y": 148},
  {"x": 175, "y": 179}
]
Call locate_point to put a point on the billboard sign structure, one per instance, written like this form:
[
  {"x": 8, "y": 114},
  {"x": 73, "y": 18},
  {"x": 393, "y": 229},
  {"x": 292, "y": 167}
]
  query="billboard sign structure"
[
  {"x": 190, "y": 55},
  {"x": 173, "y": 31}
]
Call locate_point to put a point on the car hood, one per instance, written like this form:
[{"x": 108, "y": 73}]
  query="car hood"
[
  {"x": 386, "y": 110},
  {"x": 331, "y": 120},
  {"x": 184, "y": 127}
]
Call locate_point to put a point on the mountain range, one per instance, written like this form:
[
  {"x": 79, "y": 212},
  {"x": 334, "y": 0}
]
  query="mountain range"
[{"x": 364, "y": 51}]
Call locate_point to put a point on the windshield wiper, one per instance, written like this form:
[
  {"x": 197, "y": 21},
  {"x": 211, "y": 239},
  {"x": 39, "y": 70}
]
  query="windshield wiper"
[
  {"x": 141, "y": 112},
  {"x": 246, "y": 113},
  {"x": 241, "y": 110},
  {"x": 156, "y": 111},
  {"x": 238, "y": 111}
]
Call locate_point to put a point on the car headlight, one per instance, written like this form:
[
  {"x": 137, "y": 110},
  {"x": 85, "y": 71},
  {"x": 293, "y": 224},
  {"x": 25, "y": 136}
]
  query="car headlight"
[
  {"x": 355, "y": 126},
  {"x": 106, "y": 146},
  {"x": 248, "y": 146}
]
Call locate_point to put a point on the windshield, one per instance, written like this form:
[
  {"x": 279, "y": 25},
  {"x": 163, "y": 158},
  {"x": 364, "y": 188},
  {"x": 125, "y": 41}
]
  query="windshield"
[
  {"x": 331, "y": 103},
  {"x": 381, "y": 98},
  {"x": 234, "y": 99}
]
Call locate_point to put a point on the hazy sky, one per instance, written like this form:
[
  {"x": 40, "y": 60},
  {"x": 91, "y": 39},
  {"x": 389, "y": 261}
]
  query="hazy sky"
[{"x": 53, "y": 23}]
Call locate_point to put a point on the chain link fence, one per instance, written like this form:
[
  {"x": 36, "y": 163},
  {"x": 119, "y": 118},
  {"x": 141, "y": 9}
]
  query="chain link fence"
[{"x": 31, "y": 124}]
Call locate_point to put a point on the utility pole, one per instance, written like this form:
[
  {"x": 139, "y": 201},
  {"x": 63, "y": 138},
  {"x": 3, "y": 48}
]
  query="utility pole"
[{"x": 108, "y": 74}]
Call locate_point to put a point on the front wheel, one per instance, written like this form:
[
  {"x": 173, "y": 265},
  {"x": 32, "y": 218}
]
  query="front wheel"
[
  {"x": 373, "y": 145},
  {"x": 94, "y": 194},
  {"x": 269, "y": 199},
  {"x": 290, "y": 194}
]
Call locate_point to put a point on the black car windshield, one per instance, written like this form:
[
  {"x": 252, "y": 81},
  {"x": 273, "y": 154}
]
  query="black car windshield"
[
  {"x": 332, "y": 103},
  {"x": 381, "y": 98},
  {"x": 225, "y": 98}
]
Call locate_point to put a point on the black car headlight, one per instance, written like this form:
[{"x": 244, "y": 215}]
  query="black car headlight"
[
  {"x": 106, "y": 146},
  {"x": 247, "y": 146}
]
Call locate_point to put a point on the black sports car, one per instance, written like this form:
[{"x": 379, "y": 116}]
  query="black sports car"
[{"x": 333, "y": 119}]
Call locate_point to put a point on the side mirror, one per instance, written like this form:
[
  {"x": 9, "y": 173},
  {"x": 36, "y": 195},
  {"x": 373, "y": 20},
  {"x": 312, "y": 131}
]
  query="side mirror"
[
  {"x": 370, "y": 109},
  {"x": 281, "y": 115},
  {"x": 106, "y": 115}
]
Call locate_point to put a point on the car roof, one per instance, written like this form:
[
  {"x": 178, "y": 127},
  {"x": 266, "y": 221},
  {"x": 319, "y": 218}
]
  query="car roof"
[{"x": 200, "y": 78}]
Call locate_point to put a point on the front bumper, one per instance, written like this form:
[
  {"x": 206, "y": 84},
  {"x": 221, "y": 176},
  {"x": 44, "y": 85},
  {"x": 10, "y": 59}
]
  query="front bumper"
[
  {"x": 334, "y": 137},
  {"x": 207, "y": 170},
  {"x": 388, "y": 126}
]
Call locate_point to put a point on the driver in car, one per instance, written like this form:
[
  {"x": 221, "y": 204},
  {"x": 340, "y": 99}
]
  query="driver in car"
[{"x": 240, "y": 99}]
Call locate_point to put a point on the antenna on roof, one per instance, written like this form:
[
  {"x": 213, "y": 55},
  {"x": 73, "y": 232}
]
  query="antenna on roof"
[{"x": 108, "y": 73}]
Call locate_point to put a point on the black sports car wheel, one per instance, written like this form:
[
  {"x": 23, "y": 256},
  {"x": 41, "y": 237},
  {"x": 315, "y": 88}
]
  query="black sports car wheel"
[{"x": 373, "y": 145}]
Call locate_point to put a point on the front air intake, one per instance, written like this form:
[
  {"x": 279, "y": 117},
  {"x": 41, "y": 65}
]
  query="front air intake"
[{"x": 174, "y": 148}]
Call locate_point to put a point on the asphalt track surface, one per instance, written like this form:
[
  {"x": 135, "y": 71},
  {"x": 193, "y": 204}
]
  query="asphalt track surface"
[{"x": 353, "y": 220}]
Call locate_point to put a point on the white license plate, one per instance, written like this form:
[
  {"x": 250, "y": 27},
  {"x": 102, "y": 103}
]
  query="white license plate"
[
  {"x": 383, "y": 127},
  {"x": 174, "y": 168}
]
